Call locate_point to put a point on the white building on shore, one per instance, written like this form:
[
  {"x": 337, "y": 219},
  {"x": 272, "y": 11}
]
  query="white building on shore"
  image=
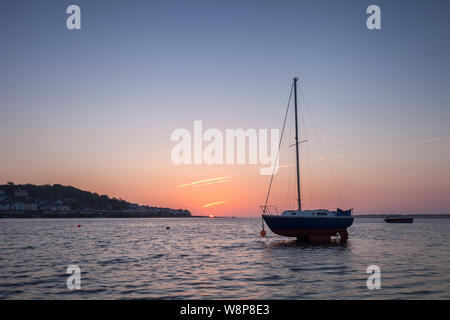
[
  {"x": 24, "y": 206},
  {"x": 21, "y": 193},
  {"x": 58, "y": 206}
]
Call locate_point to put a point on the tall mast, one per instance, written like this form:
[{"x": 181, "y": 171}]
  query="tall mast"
[{"x": 297, "y": 145}]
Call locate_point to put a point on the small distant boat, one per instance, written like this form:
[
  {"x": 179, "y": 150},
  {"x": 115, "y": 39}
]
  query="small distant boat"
[
  {"x": 306, "y": 225},
  {"x": 399, "y": 219}
]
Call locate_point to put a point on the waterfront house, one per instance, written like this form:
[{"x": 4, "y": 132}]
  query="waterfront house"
[
  {"x": 24, "y": 206},
  {"x": 21, "y": 193},
  {"x": 58, "y": 206}
]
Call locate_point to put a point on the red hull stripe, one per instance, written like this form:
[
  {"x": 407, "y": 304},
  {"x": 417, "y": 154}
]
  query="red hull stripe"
[{"x": 311, "y": 232}]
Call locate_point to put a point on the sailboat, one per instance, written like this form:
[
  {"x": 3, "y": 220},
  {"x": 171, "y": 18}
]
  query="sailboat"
[{"x": 306, "y": 225}]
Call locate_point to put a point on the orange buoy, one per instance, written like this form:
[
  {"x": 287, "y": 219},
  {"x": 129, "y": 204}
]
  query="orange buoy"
[{"x": 263, "y": 233}]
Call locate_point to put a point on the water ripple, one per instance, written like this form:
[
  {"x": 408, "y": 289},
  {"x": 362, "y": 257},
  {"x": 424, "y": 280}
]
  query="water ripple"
[{"x": 218, "y": 259}]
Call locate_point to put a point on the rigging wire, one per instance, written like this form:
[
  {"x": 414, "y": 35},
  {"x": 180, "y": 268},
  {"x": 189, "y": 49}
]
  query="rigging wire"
[
  {"x": 308, "y": 155},
  {"x": 322, "y": 149},
  {"x": 290, "y": 160},
  {"x": 287, "y": 200},
  {"x": 278, "y": 151}
]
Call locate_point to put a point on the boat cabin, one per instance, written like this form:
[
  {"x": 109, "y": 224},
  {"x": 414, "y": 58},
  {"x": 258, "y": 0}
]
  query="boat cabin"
[
  {"x": 310, "y": 213},
  {"x": 317, "y": 213}
]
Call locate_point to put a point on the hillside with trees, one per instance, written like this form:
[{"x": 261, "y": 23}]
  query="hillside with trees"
[{"x": 69, "y": 201}]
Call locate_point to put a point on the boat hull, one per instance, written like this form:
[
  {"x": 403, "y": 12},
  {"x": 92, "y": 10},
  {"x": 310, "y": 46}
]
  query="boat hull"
[
  {"x": 399, "y": 220},
  {"x": 309, "y": 228}
]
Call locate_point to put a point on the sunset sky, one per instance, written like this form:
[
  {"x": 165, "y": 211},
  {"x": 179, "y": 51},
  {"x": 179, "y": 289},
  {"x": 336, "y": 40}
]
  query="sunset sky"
[{"x": 95, "y": 108}]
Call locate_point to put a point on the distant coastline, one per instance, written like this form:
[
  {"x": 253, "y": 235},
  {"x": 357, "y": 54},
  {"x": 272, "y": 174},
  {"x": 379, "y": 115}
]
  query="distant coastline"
[
  {"x": 58, "y": 201},
  {"x": 37, "y": 215},
  {"x": 426, "y": 216}
]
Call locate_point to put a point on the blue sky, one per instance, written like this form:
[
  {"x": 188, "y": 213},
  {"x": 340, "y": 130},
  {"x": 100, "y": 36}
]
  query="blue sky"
[{"x": 140, "y": 69}]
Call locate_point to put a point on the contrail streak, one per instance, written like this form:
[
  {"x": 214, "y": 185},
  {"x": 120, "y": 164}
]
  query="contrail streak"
[
  {"x": 426, "y": 141},
  {"x": 214, "y": 204},
  {"x": 204, "y": 181}
]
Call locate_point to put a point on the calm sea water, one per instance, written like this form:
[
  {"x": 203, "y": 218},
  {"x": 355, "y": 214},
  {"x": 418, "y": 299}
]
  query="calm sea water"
[{"x": 219, "y": 259}]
